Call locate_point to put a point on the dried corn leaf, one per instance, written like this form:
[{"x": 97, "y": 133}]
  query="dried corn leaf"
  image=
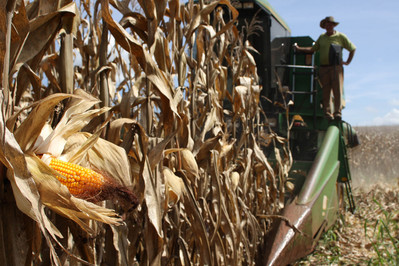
[
  {"x": 30, "y": 129},
  {"x": 156, "y": 153},
  {"x": 189, "y": 164},
  {"x": 42, "y": 31},
  {"x": 197, "y": 222},
  {"x": 99, "y": 154},
  {"x": 161, "y": 52},
  {"x": 153, "y": 200},
  {"x": 136, "y": 22},
  {"x": 261, "y": 157},
  {"x": 121, "y": 243},
  {"x": 235, "y": 179},
  {"x": 117, "y": 127},
  {"x": 57, "y": 197},
  {"x": 162, "y": 84},
  {"x": 55, "y": 142},
  {"x": 122, "y": 37},
  {"x": 196, "y": 19},
  {"x": 174, "y": 186},
  {"x": 24, "y": 189},
  {"x": 20, "y": 31},
  {"x": 241, "y": 93},
  {"x": 211, "y": 120}
]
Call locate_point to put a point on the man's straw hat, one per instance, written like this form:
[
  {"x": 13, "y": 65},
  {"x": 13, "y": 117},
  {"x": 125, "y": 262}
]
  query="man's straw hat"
[{"x": 328, "y": 19}]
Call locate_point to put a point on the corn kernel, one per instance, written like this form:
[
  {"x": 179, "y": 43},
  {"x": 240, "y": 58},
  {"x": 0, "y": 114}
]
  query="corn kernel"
[{"x": 79, "y": 180}]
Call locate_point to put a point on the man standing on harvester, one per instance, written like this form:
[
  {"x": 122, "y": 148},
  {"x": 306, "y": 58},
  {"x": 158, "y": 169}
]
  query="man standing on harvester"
[{"x": 331, "y": 72}]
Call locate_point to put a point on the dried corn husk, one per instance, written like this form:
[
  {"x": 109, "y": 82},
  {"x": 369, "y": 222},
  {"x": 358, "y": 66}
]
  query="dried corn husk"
[{"x": 174, "y": 186}]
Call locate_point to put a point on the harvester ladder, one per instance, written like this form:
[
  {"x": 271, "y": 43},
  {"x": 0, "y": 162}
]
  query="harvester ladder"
[
  {"x": 313, "y": 92},
  {"x": 313, "y": 78}
]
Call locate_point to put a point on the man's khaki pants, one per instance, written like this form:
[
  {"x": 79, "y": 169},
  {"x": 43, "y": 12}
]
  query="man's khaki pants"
[{"x": 332, "y": 80}]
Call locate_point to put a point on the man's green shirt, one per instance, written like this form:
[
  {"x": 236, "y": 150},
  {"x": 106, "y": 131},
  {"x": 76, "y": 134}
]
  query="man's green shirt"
[{"x": 324, "y": 41}]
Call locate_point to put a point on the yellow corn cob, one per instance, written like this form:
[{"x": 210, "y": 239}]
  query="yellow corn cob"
[
  {"x": 81, "y": 182},
  {"x": 90, "y": 185}
]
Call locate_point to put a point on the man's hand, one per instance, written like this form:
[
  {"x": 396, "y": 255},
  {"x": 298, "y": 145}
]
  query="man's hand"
[{"x": 350, "y": 57}]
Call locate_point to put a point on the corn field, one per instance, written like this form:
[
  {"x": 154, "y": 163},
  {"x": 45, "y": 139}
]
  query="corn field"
[
  {"x": 162, "y": 99},
  {"x": 374, "y": 161}
]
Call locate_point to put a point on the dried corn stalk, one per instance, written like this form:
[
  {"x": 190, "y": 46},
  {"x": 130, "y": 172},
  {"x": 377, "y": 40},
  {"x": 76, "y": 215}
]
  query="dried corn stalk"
[{"x": 186, "y": 130}]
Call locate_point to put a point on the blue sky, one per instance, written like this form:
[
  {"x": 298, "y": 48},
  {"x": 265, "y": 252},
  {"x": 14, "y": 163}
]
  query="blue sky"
[{"x": 372, "y": 79}]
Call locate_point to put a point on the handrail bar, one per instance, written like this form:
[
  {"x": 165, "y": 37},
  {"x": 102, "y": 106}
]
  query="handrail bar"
[{"x": 296, "y": 66}]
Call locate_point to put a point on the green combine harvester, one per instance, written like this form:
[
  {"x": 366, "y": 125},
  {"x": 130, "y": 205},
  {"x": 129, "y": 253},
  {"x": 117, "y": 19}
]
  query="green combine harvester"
[{"x": 320, "y": 170}]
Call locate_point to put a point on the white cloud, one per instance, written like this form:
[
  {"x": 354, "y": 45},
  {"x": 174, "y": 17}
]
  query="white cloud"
[
  {"x": 391, "y": 118},
  {"x": 394, "y": 102},
  {"x": 371, "y": 109}
]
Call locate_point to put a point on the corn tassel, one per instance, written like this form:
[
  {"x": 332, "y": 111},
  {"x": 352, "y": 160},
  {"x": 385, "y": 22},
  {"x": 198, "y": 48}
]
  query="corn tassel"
[{"x": 80, "y": 181}]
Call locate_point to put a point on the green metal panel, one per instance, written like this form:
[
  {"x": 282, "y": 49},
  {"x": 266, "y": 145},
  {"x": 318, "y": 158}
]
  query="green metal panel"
[
  {"x": 320, "y": 185},
  {"x": 298, "y": 174},
  {"x": 268, "y": 8},
  {"x": 325, "y": 209},
  {"x": 325, "y": 166}
]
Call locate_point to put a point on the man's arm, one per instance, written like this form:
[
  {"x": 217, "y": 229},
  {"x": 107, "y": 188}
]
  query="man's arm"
[{"x": 350, "y": 57}]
